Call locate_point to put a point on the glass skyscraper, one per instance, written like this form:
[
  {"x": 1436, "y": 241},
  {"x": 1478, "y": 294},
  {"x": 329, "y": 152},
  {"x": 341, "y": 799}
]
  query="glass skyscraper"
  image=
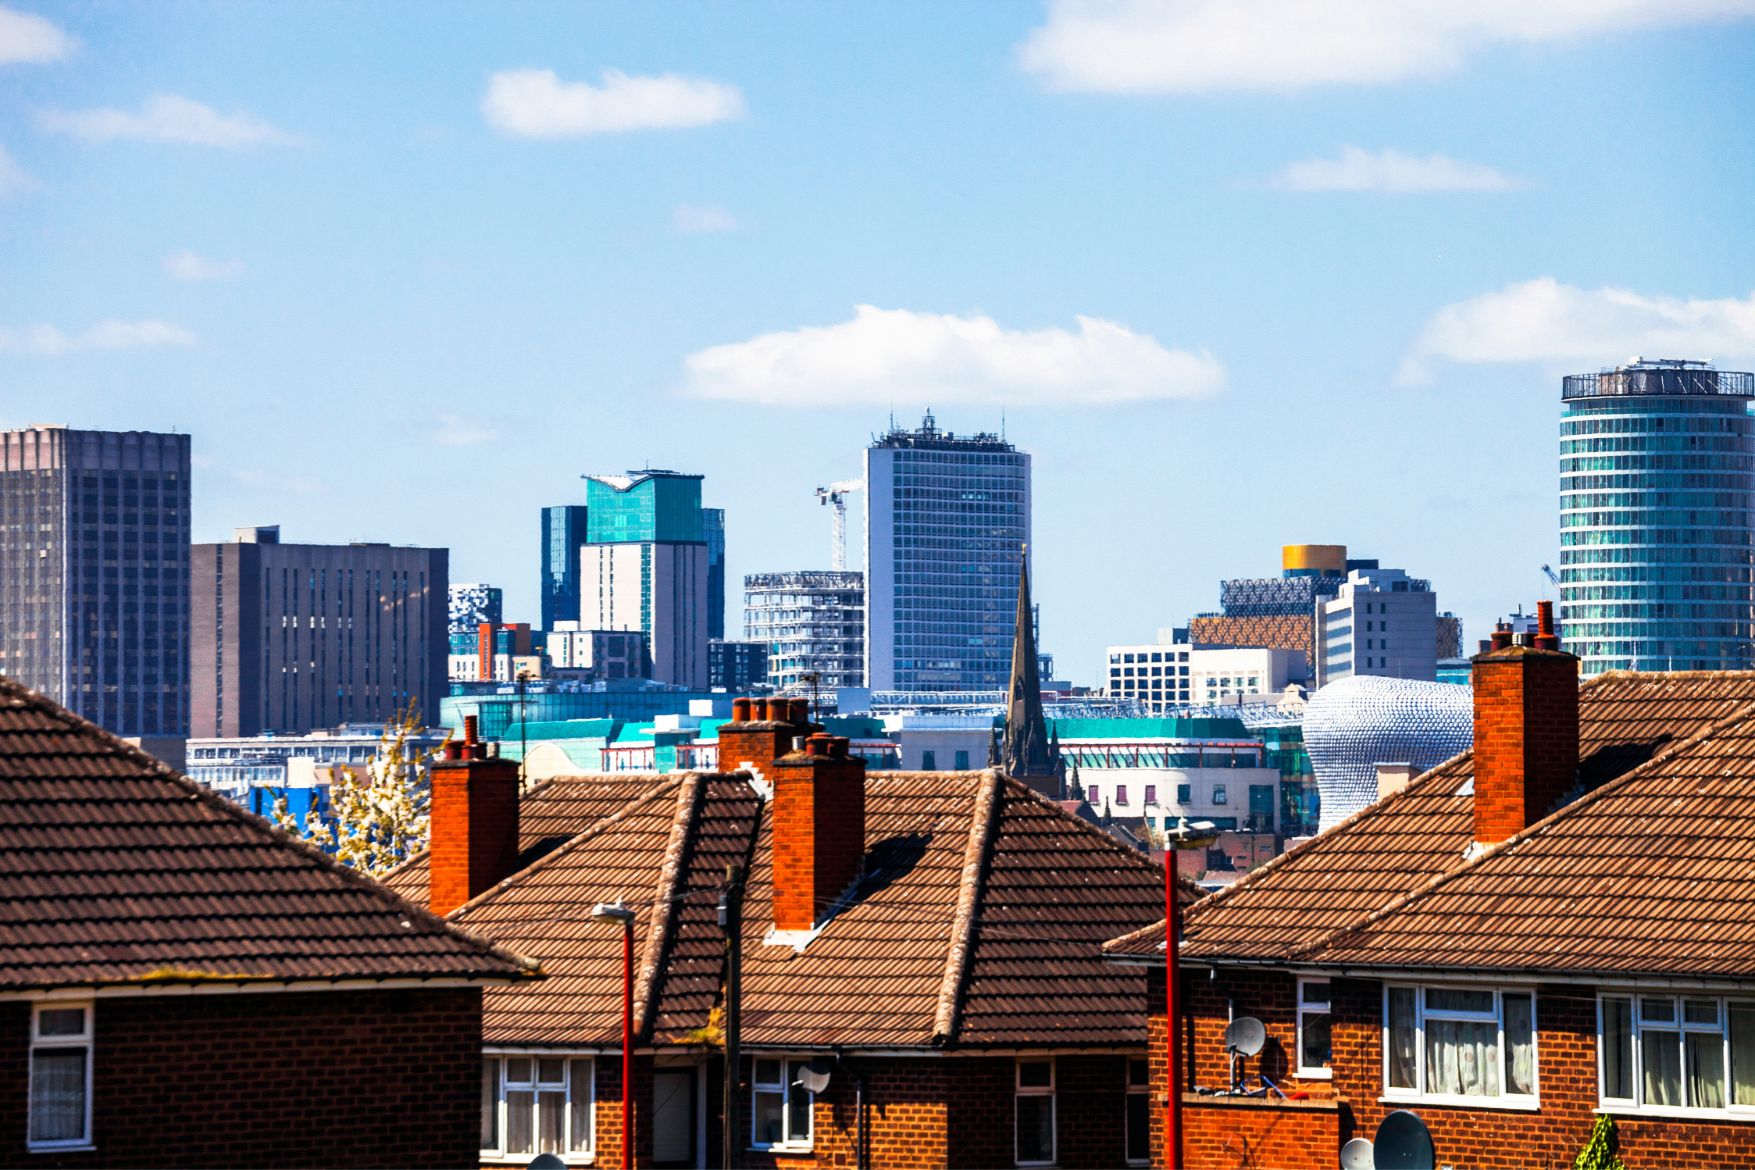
[
  {"x": 947, "y": 517},
  {"x": 563, "y": 535},
  {"x": 94, "y": 574},
  {"x": 1657, "y": 463}
]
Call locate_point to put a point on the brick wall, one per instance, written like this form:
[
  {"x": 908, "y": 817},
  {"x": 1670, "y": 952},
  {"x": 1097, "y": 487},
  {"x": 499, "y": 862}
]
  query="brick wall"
[
  {"x": 367, "y": 1078},
  {"x": 1308, "y": 1135}
]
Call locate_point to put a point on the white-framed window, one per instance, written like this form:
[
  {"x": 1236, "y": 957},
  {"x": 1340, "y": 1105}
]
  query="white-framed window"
[
  {"x": 1034, "y": 1111},
  {"x": 1459, "y": 1045},
  {"x": 537, "y": 1103},
  {"x": 780, "y": 1105},
  {"x": 1139, "y": 1111},
  {"x": 1313, "y": 1028},
  {"x": 60, "y": 1076},
  {"x": 1676, "y": 1054}
]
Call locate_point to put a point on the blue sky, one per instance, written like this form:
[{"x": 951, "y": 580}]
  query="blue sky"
[{"x": 1237, "y": 274}]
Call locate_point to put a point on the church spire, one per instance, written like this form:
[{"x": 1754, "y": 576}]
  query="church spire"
[{"x": 1025, "y": 751}]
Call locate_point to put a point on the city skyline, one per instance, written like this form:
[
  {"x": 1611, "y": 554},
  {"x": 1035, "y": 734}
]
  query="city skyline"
[{"x": 375, "y": 296}]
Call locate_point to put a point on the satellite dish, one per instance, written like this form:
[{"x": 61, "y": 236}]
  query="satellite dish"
[
  {"x": 1404, "y": 1143},
  {"x": 547, "y": 1162},
  {"x": 1245, "y": 1035},
  {"x": 815, "y": 1075},
  {"x": 1356, "y": 1155}
]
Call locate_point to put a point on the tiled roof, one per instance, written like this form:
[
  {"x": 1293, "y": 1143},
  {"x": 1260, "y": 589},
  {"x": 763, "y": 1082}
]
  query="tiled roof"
[
  {"x": 118, "y": 871},
  {"x": 1646, "y": 855},
  {"x": 978, "y": 921}
]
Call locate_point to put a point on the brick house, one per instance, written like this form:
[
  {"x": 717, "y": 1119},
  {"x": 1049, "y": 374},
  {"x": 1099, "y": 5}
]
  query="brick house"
[
  {"x": 931, "y": 942},
  {"x": 1555, "y": 926},
  {"x": 180, "y": 985}
]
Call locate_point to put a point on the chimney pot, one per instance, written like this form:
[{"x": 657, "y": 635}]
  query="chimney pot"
[
  {"x": 1546, "y": 638},
  {"x": 800, "y": 711},
  {"x": 740, "y": 710}
]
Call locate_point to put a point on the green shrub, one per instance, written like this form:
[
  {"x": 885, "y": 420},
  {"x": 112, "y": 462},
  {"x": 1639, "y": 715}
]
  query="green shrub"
[{"x": 1602, "y": 1151}]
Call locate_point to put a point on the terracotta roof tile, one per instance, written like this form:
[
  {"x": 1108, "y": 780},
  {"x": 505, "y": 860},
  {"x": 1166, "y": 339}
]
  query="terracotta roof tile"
[{"x": 117, "y": 870}]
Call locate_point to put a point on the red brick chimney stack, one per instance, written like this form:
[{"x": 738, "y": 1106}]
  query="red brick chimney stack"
[
  {"x": 1526, "y": 731},
  {"x": 474, "y": 822},
  {"x": 819, "y": 829},
  {"x": 761, "y": 731}
]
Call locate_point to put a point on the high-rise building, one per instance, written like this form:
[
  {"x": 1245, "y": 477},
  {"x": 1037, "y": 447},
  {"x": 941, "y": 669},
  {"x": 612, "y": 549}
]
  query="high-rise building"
[
  {"x": 1382, "y": 623},
  {"x": 947, "y": 517},
  {"x": 713, "y": 527},
  {"x": 813, "y": 623},
  {"x": 94, "y": 574},
  {"x": 644, "y": 566},
  {"x": 1657, "y": 467},
  {"x": 563, "y": 535},
  {"x": 292, "y": 637},
  {"x": 736, "y": 666},
  {"x": 468, "y": 607}
]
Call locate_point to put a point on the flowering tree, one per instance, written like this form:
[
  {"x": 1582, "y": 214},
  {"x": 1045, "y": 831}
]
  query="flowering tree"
[{"x": 378, "y": 816}]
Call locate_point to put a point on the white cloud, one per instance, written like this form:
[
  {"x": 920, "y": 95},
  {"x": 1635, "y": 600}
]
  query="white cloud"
[
  {"x": 14, "y": 179},
  {"x": 1392, "y": 172},
  {"x": 193, "y": 266},
  {"x": 1545, "y": 321},
  {"x": 534, "y": 103},
  {"x": 168, "y": 118},
  {"x": 26, "y": 37},
  {"x": 693, "y": 220},
  {"x": 900, "y": 357},
  {"x": 456, "y": 431},
  {"x": 50, "y": 341},
  {"x": 1193, "y": 46}
]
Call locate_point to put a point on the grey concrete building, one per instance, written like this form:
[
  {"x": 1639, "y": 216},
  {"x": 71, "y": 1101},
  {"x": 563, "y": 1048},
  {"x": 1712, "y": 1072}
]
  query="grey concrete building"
[
  {"x": 94, "y": 574},
  {"x": 291, "y": 637},
  {"x": 813, "y": 623}
]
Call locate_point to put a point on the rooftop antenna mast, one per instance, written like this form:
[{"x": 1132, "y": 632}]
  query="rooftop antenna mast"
[{"x": 835, "y": 496}]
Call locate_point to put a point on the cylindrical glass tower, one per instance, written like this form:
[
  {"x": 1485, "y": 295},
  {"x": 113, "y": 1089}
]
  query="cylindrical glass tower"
[{"x": 1657, "y": 466}]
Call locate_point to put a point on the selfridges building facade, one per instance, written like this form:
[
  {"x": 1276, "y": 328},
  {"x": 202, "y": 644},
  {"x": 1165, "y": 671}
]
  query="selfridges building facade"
[{"x": 1357, "y": 723}]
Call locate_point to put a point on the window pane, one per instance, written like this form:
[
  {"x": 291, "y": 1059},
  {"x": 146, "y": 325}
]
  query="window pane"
[
  {"x": 490, "y": 1103},
  {"x": 1704, "y": 1053},
  {"x": 57, "y": 1095},
  {"x": 518, "y": 1070},
  {"x": 580, "y": 1090},
  {"x": 1313, "y": 1040},
  {"x": 1139, "y": 1127},
  {"x": 1618, "y": 1049},
  {"x": 1743, "y": 1054},
  {"x": 520, "y": 1121},
  {"x": 1657, "y": 1011},
  {"x": 1462, "y": 1058},
  {"x": 797, "y": 1112},
  {"x": 1520, "y": 1045},
  {"x": 1402, "y": 1039},
  {"x": 768, "y": 1072},
  {"x": 1036, "y": 1128},
  {"x": 1662, "y": 1056},
  {"x": 552, "y": 1070},
  {"x": 1700, "y": 1011},
  {"x": 770, "y": 1108},
  {"x": 1139, "y": 1073},
  {"x": 551, "y": 1116},
  {"x": 1454, "y": 999},
  {"x": 1035, "y": 1074},
  {"x": 61, "y": 1022},
  {"x": 1314, "y": 992}
]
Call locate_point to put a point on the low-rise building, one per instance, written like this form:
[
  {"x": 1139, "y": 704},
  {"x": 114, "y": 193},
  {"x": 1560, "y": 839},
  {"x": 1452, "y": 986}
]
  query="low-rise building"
[
  {"x": 920, "y": 975},
  {"x": 1163, "y": 676},
  {"x": 1545, "y": 931},
  {"x": 181, "y": 985}
]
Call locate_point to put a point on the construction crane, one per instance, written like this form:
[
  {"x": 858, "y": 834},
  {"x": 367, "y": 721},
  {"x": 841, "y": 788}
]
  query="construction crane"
[
  {"x": 835, "y": 496},
  {"x": 1552, "y": 576}
]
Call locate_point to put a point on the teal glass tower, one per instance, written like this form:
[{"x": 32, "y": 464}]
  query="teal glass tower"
[{"x": 1657, "y": 466}]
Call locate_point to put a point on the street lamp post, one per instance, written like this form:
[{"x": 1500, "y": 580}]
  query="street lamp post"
[
  {"x": 1184, "y": 836},
  {"x": 617, "y": 912}
]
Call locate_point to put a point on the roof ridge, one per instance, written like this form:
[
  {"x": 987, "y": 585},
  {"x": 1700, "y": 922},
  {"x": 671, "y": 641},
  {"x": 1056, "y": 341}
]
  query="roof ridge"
[
  {"x": 577, "y": 841},
  {"x": 963, "y": 921},
  {"x": 253, "y": 823},
  {"x": 689, "y": 795},
  {"x": 1471, "y": 864},
  {"x": 1309, "y": 844}
]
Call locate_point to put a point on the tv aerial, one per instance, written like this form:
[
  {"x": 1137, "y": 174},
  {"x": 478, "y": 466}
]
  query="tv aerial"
[{"x": 1403, "y": 1143}]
